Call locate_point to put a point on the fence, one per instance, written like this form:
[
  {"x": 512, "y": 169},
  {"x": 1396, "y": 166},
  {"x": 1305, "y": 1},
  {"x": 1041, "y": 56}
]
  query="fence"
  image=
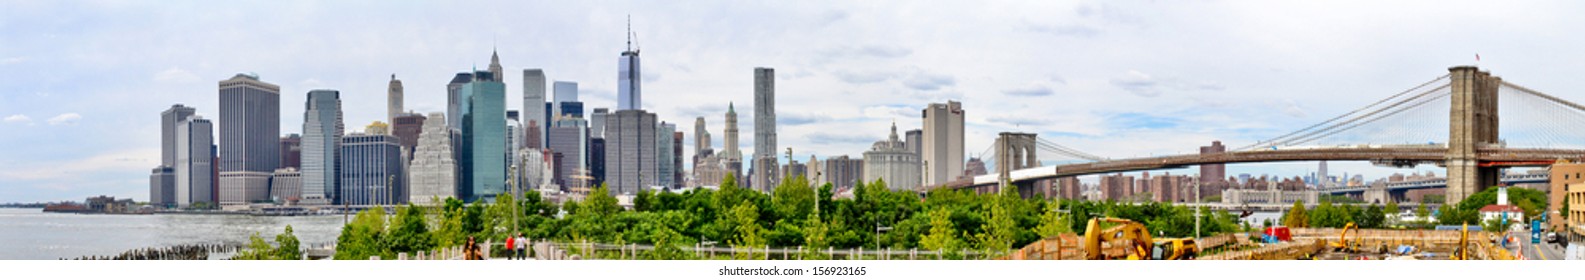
[{"x": 589, "y": 250}]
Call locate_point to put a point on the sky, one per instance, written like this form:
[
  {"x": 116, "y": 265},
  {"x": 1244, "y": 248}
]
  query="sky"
[{"x": 82, "y": 83}]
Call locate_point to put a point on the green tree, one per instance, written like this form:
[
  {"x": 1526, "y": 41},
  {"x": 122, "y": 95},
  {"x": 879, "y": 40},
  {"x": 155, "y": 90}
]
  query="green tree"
[
  {"x": 746, "y": 217},
  {"x": 815, "y": 239},
  {"x": 943, "y": 235},
  {"x": 1296, "y": 217},
  {"x": 450, "y": 227},
  {"x": 257, "y": 250},
  {"x": 1372, "y": 217},
  {"x": 408, "y": 232},
  {"x": 643, "y": 200},
  {"x": 361, "y": 238},
  {"x": 600, "y": 202},
  {"x": 1392, "y": 207},
  {"x": 793, "y": 199},
  {"x": 1053, "y": 223},
  {"x": 288, "y": 246},
  {"x": 997, "y": 234}
]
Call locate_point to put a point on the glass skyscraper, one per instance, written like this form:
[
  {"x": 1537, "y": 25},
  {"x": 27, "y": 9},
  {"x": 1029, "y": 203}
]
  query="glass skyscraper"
[
  {"x": 484, "y": 138},
  {"x": 322, "y": 129},
  {"x": 371, "y": 170}
]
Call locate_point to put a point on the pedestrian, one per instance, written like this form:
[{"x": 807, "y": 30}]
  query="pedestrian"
[
  {"x": 511, "y": 246},
  {"x": 471, "y": 250},
  {"x": 522, "y": 246}
]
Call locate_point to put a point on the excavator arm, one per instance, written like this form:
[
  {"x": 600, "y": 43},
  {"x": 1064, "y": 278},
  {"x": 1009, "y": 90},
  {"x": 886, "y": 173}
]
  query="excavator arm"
[{"x": 1133, "y": 233}]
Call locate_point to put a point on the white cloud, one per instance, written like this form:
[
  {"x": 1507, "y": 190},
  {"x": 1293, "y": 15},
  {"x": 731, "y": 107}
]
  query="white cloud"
[
  {"x": 78, "y": 169},
  {"x": 65, "y": 119},
  {"x": 18, "y": 118},
  {"x": 175, "y": 75},
  {"x": 13, "y": 60}
]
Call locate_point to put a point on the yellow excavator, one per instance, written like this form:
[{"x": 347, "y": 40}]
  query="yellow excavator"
[
  {"x": 1342, "y": 244},
  {"x": 1139, "y": 244},
  {"x": 1462, "y": 251}
]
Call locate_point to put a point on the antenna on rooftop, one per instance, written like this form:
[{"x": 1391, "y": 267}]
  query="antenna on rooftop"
[{"x": 630, "y": 35}]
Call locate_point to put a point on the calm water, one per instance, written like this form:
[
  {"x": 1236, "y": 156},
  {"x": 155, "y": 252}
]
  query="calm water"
[{"x": 29, "y": 233}]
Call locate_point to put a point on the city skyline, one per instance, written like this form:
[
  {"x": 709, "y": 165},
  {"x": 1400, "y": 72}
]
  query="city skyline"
[{"x": 1157, "y": 94}]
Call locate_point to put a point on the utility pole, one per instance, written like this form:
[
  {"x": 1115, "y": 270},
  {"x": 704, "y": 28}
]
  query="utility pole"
[{"x": 1199, "y": 205}]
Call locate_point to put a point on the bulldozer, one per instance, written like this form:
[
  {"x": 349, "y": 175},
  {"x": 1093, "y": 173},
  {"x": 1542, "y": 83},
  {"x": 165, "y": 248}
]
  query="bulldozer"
[{"x": 1137, "y": 238}]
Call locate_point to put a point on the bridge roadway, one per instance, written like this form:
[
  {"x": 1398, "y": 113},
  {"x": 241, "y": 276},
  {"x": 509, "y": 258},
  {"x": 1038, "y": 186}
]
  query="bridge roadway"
[
  {"x": 1414, "y": 154},
  {"x": 1442, "y": 183}
]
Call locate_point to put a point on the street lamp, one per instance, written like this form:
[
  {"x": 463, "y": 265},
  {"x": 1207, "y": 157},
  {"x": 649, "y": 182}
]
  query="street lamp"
[{"x": 878, "y": 230}]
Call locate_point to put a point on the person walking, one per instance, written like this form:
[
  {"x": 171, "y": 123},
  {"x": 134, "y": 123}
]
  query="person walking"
[
  {"x": 511, "y": 246},
  {"x": 522, "y": 246},
  {"x": 470, "y": 251}
]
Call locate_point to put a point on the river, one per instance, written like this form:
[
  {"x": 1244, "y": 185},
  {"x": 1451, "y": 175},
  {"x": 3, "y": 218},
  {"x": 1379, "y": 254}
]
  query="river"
[{"x": 32, "y": 234}]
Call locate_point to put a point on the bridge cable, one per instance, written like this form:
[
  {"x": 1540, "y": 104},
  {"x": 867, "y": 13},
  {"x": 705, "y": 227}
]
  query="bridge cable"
[
  {"x": 1395, "y": 112},
  {"x": 1379, "y": 102},
  {"x": 1332, "y": 129}
]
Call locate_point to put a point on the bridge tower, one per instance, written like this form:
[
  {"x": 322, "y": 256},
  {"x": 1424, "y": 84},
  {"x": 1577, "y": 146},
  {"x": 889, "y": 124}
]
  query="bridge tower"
[
  {"x": 1473, "y": 122},
  {"x": 1014, "y": 151}
]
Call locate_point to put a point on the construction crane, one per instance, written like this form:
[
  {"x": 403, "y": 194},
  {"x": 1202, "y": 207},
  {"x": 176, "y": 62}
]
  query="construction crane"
[{"x": 1140, "y": 246}]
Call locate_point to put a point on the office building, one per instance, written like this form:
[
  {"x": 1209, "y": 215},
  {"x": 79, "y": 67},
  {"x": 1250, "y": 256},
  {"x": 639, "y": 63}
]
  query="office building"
[
  {"x": 533, "y": 129},
  {"x": 371, "y": 170},
  {"x": 322, "y": 130},
  {"x": 764, "y": 129},
  {"x": 597, "y": 122},
  {"x": 250, "y": 131},
  {"x": 434, "y": 169},
  {"x": 496, "y": 72},
  {"x": 484, "y": 134},
  {"x": 570, "y": 108},
  {"x": 596, "y": 161},
  {"x": 943, "y": 142},
  {"x": 407, "y": 127},
  {"x": 454, "y": 99},
  {"x": 286, "y": 186},
  {"x": 564, "y": 92},
  {"x": 168, "y": 121},
  {"x": 393, "y": 99},
  {"x": 162, "y": 186},
  {"x": 843, "y": 172},
  {"x": 891, "y": 161},
  {"x": 570, "y": 138},
  {"x": 676, "y": 160},
  {"x": 630, "y": 151},
  {"x": 195, "y": 162},
  {"x": 533, "y": 113},
  {"x": 292, "y": 151},
  {"x": 664, "y": 169}
]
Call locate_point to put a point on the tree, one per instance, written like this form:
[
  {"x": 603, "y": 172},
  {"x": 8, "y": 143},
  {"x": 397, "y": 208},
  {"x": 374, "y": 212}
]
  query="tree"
[
  {"x": 1372, "y": 217},
  {"x": 815, "y": 239},
  {"x": 1392, "y": 207},
  {"x": 997, "y": 234},
  {"x": 288, "y": 246},
  {"x": 600, "y": 202},
  {"x": 1296, "y": 216},
  {"x": 257, "y": 250},
  {"x": 408, "y": 232},
  {"x": 361, "y": 238},
  {"x": 943, "y": 235},
  {"x": 643, "y": 200},
  {"x": 793, "y": 199},
  {"x": 1053, "y": 223},
  {"x": 746, "y": 217}
]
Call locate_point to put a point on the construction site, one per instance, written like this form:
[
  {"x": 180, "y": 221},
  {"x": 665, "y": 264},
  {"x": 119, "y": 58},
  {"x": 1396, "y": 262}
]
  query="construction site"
[{"x": 1121, "y": 239}]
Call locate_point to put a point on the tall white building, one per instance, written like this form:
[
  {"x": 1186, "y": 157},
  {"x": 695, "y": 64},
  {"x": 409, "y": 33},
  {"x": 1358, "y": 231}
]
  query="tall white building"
[
  {"x": 433, "y": 173},
  {"x": 393, "y": 100},
  {"x": 943, "y": 142}
]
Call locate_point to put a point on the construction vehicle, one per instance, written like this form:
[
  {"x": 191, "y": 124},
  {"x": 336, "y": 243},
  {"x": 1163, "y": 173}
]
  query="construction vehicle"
[
  {"x": 1342, "y": 244},
  {"x": 1462, "y": 251},
  {"x": 1277, "y": 234},
  {"x": 1139, "y": 245}
]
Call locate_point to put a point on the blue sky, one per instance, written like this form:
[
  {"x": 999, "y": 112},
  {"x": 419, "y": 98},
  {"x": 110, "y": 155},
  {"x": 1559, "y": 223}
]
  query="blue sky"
[{"x": 82, "y": 82}]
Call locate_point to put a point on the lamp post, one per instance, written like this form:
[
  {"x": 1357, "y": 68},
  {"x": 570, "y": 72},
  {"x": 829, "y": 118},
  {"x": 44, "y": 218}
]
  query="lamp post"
[
  {"x": 1197, "y": 207},
  {"x": 878, "y": 230}
]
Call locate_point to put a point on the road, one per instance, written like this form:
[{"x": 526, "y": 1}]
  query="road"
[{"x": 1535, "y": 251}]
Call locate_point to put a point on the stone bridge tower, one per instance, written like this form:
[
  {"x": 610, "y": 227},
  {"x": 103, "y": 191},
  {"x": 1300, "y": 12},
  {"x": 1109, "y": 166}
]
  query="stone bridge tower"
[
  {"x": 1014, "y": 151},
  {"x": 1473, "y": 124}
]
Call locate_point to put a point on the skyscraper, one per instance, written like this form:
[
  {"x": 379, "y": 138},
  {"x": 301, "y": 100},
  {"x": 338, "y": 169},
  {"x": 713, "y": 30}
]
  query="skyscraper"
[
  {"x": 371, "y": 170},
  {"x": 570, "y": 137},
  {"x": 566, "y": 92},
  {"x": 597, "y": 122},
  {"x": 162, "y": 187},
  {"x": 454, "y": 99},
  {"x": 195, "y": 156},
  {"x": 664, "y": 168},
  {"x": 534, "y": 113},
  {"x": 168, "y": 121},
  {"x": 322, "y": 130},
  {"x": 629, "y": 151},
  {"x": 434, "y": 170},
  {"x": 393, "y": 99},
  {"x": 943, "y": 142},
  {"x": 701, "y": 137},
  {"x": 484, "y": 133},
  {"x": 731, "y": 157},
  {"x": 250, "y": 131},
  {"x": 596, "y": 161},
  {"x": 496, "y": 72},
  {"x": 286, "y": 186},
  {"x": 764, "y": 128},
  {"x": 676, "y": 159},
  {"x": 628, "y": 95}
]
